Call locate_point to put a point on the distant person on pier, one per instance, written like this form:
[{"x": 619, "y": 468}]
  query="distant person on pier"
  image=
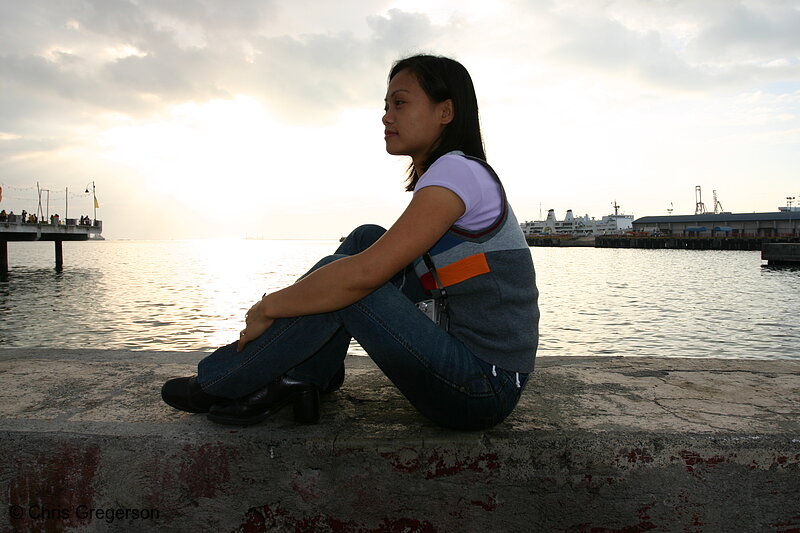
[
  {"x": 3, "y": 216},
  {"x": 444, "y": 302},
  {"x": 24, "y": 214}
]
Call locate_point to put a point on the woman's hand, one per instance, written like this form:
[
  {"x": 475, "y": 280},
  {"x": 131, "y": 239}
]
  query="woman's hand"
[
  {"x": 432, "y": 211},
  {"x": 256, "y": 323}
]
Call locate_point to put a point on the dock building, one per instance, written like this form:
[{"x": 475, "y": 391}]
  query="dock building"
[{"x": 782, "y": 223}]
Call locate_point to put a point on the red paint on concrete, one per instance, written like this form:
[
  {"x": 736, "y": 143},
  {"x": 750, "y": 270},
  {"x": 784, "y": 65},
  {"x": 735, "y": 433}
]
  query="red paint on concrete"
[
  {"x": 204, "y": 469},
  {"x": 637, "y": 455},
  {"x": 266, "y": 518},
  {"x": 694, "y": 461},
  {"x": 196, "y": 472},
  {"x": 440, "y": 466},
  {"x": 641, "y": 527},
  {"x": 693, "y": 458},
  {"x": 644, "y": 525},
  {"x": 306, "y": 485},
  {"x": 162, "y": 490},
  {"x": 404, "y": 460},
  {"x": 792, "y": 526},
  {"x": 50, "y": 487},
  {"x": 437, "y": 465}
]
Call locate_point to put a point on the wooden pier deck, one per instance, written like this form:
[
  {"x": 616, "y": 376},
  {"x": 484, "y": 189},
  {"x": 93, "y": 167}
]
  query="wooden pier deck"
[{"x": 13, "y": 229}]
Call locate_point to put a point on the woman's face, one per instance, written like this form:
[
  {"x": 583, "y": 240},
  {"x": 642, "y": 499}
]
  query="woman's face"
[{"x": 412, "y": 122}]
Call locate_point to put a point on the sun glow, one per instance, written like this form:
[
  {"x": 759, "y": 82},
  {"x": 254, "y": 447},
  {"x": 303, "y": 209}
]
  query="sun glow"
[
  {"x": 231, "y": 160},
  {"x": 201, "y": 154},
  {"x": 125, "y": 50}
]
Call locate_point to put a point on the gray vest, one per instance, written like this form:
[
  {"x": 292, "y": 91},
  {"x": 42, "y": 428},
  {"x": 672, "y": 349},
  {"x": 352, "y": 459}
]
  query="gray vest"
[{"x": 491, "y": 290}]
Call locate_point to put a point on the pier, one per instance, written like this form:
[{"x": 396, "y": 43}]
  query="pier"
[
  {"x": 560, "y": 240},
  {"x": 13, "y": 229},
  {"x": 662, "y": 242},
  {"x": 781, "y": 254},
  {"x": 596, "y": 444},
  {"x": 689, "y": 243}
]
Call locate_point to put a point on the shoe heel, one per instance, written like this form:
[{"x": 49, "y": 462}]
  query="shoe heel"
[{"x": 306, "y": 406}]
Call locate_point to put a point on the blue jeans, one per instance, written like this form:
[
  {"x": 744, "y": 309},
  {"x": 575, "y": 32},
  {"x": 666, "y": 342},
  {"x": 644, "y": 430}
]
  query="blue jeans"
[{"x": 435, "y": 371}]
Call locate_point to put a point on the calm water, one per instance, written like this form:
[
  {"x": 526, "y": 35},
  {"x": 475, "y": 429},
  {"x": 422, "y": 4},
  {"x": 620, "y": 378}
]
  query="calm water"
[{"x": 192, "y": 295}]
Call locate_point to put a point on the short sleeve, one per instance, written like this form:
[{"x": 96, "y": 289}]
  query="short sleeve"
[{"x": 470, "y": 181}]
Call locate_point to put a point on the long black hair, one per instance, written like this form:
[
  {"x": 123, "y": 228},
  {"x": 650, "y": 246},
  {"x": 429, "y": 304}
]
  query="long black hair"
[{"x": 443, "y": 78}]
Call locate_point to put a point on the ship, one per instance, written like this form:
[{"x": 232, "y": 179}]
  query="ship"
[{"x": 573, "y": 226}]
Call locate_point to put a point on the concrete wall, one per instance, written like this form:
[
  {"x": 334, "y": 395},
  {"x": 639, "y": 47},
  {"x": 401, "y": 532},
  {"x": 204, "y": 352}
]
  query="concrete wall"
[
  {"x": 597, "y": 444},
  {"x": 781, "y": 253}
]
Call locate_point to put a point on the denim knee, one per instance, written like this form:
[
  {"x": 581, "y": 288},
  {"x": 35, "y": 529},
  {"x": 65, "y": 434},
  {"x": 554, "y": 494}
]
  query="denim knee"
[
  {"x": 361, "y": 238},
  {"x": 325, "y": 260},
  {"x": 368, "y": 231}
]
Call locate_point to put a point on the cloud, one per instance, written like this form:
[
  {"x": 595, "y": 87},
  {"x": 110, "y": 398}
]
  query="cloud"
[
  {"x": 137, "y": 57},
  {"x": 749, "y": 31},
  {"x": 123, "y": 57},
  {"x": 694, "y": 46}
]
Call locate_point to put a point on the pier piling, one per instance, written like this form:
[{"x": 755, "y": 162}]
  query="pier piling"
[
  {"x": 59, "y": 256},
  {"x": 3, "y": 260}
]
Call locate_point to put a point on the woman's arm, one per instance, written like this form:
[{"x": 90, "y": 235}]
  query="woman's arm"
[{"x": 432, "y": 211}]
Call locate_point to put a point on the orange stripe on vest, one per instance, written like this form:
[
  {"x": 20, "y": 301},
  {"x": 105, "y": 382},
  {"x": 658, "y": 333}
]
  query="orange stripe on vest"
[{"x": 461, "y": 270}]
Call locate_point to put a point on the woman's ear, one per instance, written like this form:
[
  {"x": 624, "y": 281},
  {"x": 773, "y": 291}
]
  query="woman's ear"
[{"x": 447, "y": 111}]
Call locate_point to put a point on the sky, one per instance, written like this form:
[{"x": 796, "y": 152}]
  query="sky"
[{"x": 262, "y": 118}]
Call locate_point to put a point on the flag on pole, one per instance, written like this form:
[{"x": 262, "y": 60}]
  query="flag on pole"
[
  {"x": 1, "y": 194},
  {"x": 96, "y": 205}
]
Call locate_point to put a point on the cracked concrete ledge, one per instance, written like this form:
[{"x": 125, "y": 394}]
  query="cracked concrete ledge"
[{"x": 597, "y": 444}]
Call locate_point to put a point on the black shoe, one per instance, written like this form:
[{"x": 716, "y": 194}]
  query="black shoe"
[
  {"x": 269, "y": 400},
  {"x": 185, "y": 394},
  {"x": 336, "y": 381}
]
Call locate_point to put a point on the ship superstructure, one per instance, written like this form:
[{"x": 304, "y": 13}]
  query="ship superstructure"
[{"x": 578, "y": 226}]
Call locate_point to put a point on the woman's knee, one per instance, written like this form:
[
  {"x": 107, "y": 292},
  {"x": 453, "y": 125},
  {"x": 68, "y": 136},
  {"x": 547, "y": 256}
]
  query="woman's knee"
[
  {"x": 326, "y": 260},
  {"x": 369, "y": 231},
  {"x": 361, "y": 238}
]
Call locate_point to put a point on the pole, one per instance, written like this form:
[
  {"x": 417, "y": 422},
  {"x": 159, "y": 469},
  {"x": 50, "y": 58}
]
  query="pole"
[
  {"x": 59, "y": 256},
  {"x": 94, "y": 204},
  {"x": 39, "y": 213},
  {"x": 66, "y": 204},
  {"x": 3, "y": 260}
]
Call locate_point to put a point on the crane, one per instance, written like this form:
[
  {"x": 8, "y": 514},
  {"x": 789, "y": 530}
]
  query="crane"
[{"x": 700, "y": 207}]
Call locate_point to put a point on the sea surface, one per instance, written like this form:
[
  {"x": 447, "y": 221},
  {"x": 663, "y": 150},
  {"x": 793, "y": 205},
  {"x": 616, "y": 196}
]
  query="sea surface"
[{"x": 192, "y": 295}]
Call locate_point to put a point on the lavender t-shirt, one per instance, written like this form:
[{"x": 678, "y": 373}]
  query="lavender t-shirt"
[{"x": 470, "y": 180}]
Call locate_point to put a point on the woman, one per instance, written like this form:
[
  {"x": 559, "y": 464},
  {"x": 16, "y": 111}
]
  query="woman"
[{"x": 457, "y": 245}]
